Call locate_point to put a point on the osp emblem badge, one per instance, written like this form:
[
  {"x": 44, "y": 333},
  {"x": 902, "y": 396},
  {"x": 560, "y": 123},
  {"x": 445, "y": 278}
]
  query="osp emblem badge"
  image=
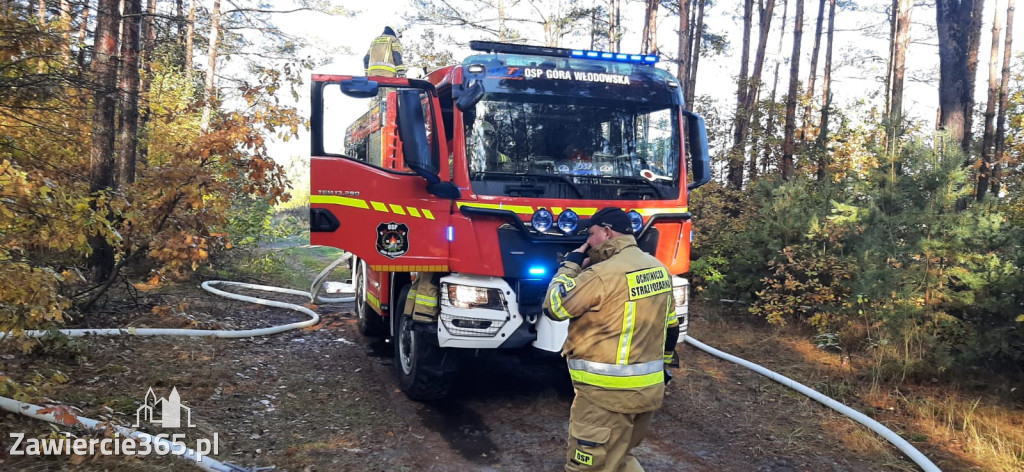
[{"x": 392, "y": 239}]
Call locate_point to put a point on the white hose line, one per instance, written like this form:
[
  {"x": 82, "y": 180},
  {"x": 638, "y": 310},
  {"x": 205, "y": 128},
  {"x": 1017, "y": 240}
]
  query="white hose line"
[
  {"x": 318, "y": 282},
  {"x": 314, "y": 318},
  {"x": 855, "y": 415},
  {"x": 203, "y": 462}
]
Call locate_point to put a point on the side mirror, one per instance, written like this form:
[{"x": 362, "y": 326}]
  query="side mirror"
[
  {"x": 700, "y": 158},
  {"x": 412, "y": 128},
  {"x": 470, "y": 95},
  {"x": 360, "y": 87}
]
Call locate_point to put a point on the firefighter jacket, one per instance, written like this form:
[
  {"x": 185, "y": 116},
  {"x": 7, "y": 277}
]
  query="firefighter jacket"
[
  {"x": 619, "y": 308},
  {"x": 384, "y": 58}
]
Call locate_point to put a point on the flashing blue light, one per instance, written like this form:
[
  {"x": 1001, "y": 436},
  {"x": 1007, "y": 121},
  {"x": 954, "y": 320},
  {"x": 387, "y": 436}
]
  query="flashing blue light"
[
  {"x": 613, "y": 56},
  {"x": 451, "y": 234},
  {"x": 537, "y": 270}
]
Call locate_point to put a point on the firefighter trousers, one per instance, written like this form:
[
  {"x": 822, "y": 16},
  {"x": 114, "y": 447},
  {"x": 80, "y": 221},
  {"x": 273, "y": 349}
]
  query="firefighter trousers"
[
  {"x": 422, "y": 302},
  {"x": 603, "y": 440}
]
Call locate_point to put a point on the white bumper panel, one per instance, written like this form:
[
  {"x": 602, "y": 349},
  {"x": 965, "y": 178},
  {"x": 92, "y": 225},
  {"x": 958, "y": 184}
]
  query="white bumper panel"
[
  {"x": 509, "y": 319},
  {"x": 682, "y": 310},
  {"x": 551, "y": 334}
]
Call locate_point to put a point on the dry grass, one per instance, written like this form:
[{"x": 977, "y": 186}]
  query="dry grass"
[
  {"x": 977, "y": 428},
  {"x": 957, "y": 430}
]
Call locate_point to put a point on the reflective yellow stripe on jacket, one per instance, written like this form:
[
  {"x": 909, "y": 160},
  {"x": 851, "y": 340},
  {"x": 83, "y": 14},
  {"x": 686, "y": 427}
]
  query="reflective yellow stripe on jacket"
[{"x": 615, "y": 375}]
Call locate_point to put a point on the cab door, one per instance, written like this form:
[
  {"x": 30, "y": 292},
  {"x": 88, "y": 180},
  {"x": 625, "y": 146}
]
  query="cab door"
[{"x": 365, "y": 196}]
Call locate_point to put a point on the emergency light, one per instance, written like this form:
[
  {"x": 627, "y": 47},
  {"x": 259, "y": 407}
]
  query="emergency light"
[
  {"x": 617, "y": 57},
  {"x": 505, "y": 48}
]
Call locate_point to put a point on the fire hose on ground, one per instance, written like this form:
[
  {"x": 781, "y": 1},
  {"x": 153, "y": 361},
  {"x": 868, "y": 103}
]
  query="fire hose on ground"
[
  {"x": 205, "y": 463},
  {"x": 893, "y": 438},
  {"x": 32, "y": 410}
]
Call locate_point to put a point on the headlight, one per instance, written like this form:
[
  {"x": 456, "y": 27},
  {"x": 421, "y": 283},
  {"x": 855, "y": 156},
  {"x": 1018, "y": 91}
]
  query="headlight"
[
  {"x": 542, "y": 220},
  {"x": 682, "y": 294},
  {"x": 465, "y": 296},
  {"x": 567, "y": 221},
  {"x": 636, "y": 220}
]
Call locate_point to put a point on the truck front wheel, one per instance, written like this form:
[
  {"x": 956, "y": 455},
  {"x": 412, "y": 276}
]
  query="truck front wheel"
[{"x": 425, "y": 370}]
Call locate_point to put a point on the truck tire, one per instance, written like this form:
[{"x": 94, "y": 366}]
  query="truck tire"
[
  {"x": 368, "y": 322},
  {"x": 425, "y": 370}
]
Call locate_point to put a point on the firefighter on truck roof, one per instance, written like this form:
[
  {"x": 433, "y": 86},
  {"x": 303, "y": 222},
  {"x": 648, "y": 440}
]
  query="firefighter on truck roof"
[
  {"x": 384, "y": 59},
  {"x": 622, "y": 331}
]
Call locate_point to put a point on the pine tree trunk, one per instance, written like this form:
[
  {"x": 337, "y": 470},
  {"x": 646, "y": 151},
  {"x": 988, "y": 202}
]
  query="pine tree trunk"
[
  {"x": 900, "y": 42},
  {"x": 649, "y": 44},
  {"x": 973, "y": 45},
  {"x": 698, "y": 38},
  {"x": 101, "y": 168},
  {"x": 735, "y": 173},
  {"x": 502, "y": 35},
  {"x": 953, "y": 20},
  {"x": 190, "y": 36},
  {"x": 814, "y": 69},
  {"x": 766, "y": 12},
  {"x": 179, "y": 24},
  {"x": 683, "y": 72},
  {"x": 42, "y": 12},
  {"x": 128, "y": 119},
  {"x": 212, "y": 66},
  {"x": 613, "y": 11},
  {"x": 769, "y": 127},
  {"x": 82, "y": 30},
  {"x": 146, "y": 60},
  {"x": 65, "y": 31},
  {"x": 990, "y": 107},
  {"x": 1004, "y": 87},
  {"x": 789, "y": 145},
  {"x": 826, "y": 94}
]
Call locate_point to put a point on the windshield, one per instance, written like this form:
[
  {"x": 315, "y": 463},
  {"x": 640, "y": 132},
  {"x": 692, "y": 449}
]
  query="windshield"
[{"x": 573, "y": 148}]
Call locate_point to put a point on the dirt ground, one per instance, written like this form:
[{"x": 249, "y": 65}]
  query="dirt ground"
[{"x": 325, "y": 399}]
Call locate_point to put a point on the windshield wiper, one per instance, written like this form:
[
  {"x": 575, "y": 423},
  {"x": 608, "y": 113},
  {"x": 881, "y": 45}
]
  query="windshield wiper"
[
  {"x": 657, "y": 190},
  {"x": 527, "y": 177}
]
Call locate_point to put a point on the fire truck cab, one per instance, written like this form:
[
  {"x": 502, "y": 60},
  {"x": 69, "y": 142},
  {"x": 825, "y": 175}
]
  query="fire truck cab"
[{"x": 480, "y": 174}]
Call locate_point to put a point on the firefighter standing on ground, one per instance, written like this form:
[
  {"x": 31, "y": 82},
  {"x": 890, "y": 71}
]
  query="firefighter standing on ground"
[
  {"x": 623, "y": 330},
  {"x": 384, "y": 59}
]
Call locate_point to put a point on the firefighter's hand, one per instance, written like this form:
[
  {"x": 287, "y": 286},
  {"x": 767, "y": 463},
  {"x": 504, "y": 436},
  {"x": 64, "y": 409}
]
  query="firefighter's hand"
[
  {"x": 583, "y": 250},
  {"x": 668, "y": 376}
]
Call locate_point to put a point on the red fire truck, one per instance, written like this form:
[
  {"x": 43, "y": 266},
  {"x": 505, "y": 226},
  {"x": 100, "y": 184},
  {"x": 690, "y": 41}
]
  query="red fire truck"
[{"x": 481, "y": 173}]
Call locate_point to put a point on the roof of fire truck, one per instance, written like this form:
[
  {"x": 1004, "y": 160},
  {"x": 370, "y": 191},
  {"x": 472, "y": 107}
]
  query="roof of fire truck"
[{"x": 447, "y": 75}]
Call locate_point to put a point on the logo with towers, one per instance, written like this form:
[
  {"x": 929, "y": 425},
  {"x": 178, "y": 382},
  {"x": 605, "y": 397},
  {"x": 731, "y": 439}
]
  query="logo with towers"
[{"x": 165, "y": 412}]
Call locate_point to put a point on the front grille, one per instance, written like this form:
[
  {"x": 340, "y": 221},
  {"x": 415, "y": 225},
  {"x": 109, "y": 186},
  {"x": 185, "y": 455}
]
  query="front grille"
[{"x": 474, "y": 327}]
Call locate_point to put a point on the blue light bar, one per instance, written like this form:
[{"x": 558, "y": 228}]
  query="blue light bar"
[
  {"x": 537, "y": 271},
  {"x": 506, "y": 48},
  {"x": 451, "y": 234},
  {"x": 613, "y": 56}
]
